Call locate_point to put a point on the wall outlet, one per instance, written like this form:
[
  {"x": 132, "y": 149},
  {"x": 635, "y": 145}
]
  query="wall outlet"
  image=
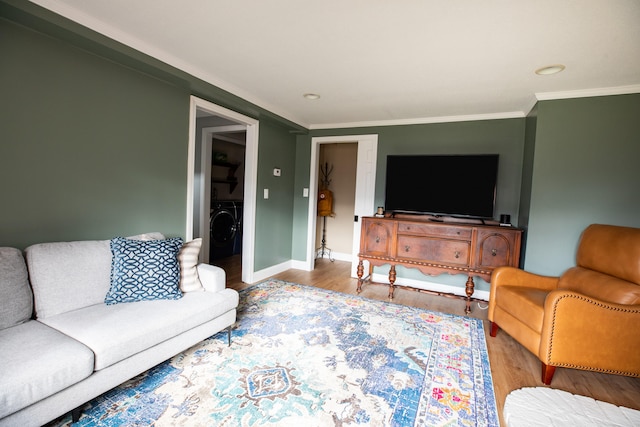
[{"x": 276, "y": 171}]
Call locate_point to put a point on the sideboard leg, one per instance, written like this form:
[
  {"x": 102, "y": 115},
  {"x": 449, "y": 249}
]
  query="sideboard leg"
[
  {"x": 469, "y": 291},
  {"x": 360, "y": 272},
  {"x": 392, "y": 280}
]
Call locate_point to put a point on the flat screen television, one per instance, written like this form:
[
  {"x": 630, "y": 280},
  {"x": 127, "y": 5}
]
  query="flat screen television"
[{"x": 442, "y": 185}]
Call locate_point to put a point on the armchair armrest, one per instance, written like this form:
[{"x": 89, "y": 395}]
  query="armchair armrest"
[
  {"x": 213, "y": 279},
  {"x": 586, "y": 333},
  {"x": 511, "y": 276}
]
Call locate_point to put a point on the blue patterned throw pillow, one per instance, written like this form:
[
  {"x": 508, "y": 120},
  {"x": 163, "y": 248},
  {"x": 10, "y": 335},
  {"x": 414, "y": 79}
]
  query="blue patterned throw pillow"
[{"x": 144, "y": 270}]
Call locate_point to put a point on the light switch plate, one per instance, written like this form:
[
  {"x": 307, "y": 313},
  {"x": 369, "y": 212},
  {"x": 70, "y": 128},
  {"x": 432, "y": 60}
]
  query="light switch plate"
[{"x": 266, "y": 193}]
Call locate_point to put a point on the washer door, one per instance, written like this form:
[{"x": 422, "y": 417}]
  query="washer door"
[{"x": 223, "y": 228}]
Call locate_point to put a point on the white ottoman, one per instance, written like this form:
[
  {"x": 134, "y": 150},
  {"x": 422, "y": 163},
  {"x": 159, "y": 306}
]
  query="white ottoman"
[{"x": 544, "y": 407}]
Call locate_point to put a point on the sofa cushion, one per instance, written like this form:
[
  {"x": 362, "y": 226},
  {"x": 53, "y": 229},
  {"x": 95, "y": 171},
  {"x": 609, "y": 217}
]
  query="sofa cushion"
[
  {"x": 188, "y": 260},
  {"x": 16, "y": 299},
  {"x": 115, "y": 332},
  {"x": 144, "y": 270},
  {"x": 67, "y": 276},
  {"x": 37, "y": 361}
]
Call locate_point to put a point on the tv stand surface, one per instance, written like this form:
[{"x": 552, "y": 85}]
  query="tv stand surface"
[
  {"x": 435, "y": 248},
  {"x": 443, "y": 218}
]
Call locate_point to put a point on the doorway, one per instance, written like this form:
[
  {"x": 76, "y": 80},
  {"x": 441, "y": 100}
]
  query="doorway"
[
  {"x": 364, "y": 204},
  {"x": 226, "y": 157},
  {"x": 209, "y": 121},
  {"x": 337, "y": 180}
]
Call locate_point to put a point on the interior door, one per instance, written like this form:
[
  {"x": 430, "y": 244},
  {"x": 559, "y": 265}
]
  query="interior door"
[{"x": 365, "y": 191}]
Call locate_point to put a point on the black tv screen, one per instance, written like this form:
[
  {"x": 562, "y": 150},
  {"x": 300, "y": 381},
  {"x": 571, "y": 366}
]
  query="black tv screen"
[{"x": 447, "y": 185}]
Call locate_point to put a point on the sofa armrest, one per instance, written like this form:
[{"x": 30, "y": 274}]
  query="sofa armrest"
[
  {"x": 213, "y": 279},
  {"x": 587, "y": 333}
]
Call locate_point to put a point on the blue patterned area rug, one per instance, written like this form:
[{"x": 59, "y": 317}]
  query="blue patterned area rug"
[{"x": 303, "y": 356}]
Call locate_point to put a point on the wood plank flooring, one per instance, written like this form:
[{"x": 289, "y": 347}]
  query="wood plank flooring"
[{"x": 512, "y": 366}]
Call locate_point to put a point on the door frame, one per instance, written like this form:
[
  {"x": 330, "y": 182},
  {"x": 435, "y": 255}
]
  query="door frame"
[
  {"x": 251, "y": 180},
  {"x": 365, "y": 188}
]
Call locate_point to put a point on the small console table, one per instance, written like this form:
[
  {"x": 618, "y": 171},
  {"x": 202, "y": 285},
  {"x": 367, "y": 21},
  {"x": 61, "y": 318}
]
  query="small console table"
[{"x": 435, "y": 248}]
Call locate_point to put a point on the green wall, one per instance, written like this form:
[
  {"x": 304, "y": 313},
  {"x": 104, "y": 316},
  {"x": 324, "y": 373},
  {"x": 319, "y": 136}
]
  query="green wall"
[
  {"x": 301, "y": 204},
  {"x": 90, "y": 149},
  {"x": 274, "y": 215},
  {"x": 584, "y": 170},
  {"x": 94, "y": 139}
]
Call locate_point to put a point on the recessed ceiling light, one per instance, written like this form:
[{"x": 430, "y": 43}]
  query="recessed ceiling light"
[
  {"x": 551, "y": 69},
  {"x": 311, "y": 96}
]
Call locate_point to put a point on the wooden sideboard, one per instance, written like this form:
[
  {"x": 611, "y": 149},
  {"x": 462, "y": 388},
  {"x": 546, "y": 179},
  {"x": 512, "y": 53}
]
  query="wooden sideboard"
[{"x": 435, "y": 248}]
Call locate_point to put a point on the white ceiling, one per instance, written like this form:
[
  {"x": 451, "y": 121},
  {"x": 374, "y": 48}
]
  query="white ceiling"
[{"x": 383, "y": 61}]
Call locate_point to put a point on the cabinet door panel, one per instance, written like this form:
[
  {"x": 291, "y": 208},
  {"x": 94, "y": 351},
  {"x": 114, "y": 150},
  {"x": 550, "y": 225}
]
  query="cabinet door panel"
[
  {"x": 455, "y": 252},
  {"x": 496, "y": 249},
  {"x": 376, "y": 238}
]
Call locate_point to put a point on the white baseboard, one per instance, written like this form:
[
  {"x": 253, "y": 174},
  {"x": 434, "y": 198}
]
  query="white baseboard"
[
  {"x": 432, "y": 286},
  {"x": 299, "y": 265},
  {"x": 339, "y": 256},
  {"x": 266, "y": 273}
]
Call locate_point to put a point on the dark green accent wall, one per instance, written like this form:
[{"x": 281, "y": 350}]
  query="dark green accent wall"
[
  {"x": 300, "y": 203},
  {"x": 527, "y": 177},
  {"x": 584, "y": 170},
  {"x": 94, "y": 138},
  {"x": 274, "y": 215},
  {"x": 90, "y": 149}
]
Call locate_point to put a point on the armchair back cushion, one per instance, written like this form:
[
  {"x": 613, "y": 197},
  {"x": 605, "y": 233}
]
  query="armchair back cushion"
[
  {"x": 611, "y": 250},
  {"x": 607, "y": 265},
  {"x": 600, "y": 286}
]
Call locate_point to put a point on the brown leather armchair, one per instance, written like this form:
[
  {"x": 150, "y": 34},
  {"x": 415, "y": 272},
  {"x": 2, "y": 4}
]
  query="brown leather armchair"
[{"x": 588, "y": 318}]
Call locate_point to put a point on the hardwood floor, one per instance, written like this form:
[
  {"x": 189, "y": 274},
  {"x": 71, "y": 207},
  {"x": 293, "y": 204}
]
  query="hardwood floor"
[{"x": 512, "y": 367}]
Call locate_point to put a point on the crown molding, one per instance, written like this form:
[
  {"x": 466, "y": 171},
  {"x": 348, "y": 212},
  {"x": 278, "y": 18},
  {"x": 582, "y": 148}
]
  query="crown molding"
[
  {"x": 127, "y": 39},
  {"x": 586, "y": 93},
  {"x": 422, "y": 121},
  {"x": 135, "y": 43}
]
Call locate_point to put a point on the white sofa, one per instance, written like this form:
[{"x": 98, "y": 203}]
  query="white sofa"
[{"x": 61, "y": 345}]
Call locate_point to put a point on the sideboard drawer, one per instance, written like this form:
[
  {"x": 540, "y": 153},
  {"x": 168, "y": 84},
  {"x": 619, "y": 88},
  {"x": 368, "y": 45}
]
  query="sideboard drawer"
[
  {"x": 433, "y": 250},
  {"x": 434, "y": 230}
]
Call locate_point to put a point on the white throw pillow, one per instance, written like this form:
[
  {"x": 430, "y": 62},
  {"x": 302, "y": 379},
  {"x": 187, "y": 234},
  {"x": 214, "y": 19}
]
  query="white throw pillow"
[
  {"x": 154, "y": 235},
  {"x": 188, "y": 260}
]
